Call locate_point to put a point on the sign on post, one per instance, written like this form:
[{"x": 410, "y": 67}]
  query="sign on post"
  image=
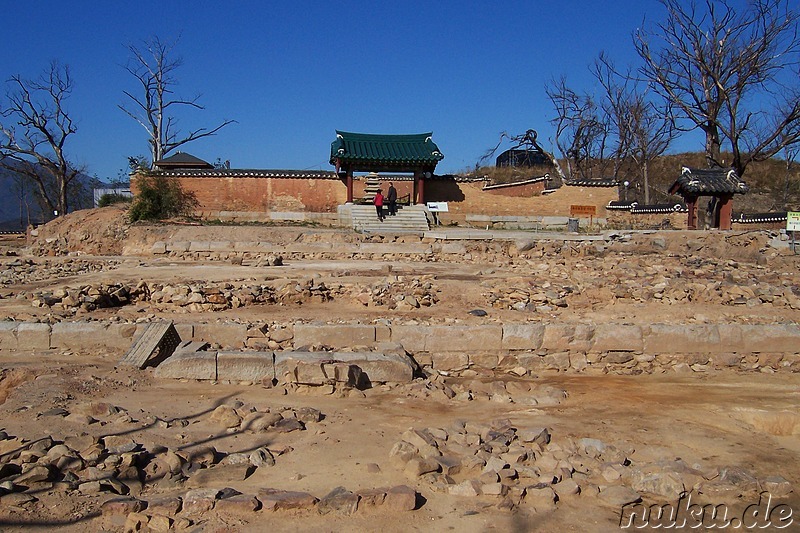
[
  {"x": 793, "y": 221},
  {"x": 793, "y": 225},
  {"x": 585, "y": 210}
]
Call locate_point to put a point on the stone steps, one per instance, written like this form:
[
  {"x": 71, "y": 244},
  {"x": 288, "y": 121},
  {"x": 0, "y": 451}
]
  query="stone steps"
[{"x": 409, "y": 219}]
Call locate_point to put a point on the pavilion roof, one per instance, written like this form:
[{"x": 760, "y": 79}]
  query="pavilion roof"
[
  {"x": 407, "y": 150},
  {"x": 182, "y": 160},
  {"x": 708, "y": 182}
]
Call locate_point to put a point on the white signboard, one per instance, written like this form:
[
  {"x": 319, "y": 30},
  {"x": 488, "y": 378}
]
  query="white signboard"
[
  {"x": 438, "y": 207},
  {"x": 793, "y": 221}
]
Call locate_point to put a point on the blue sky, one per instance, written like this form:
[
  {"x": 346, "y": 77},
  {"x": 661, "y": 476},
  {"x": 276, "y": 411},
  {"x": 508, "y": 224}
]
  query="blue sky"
[{"x": 291, "y": 73}]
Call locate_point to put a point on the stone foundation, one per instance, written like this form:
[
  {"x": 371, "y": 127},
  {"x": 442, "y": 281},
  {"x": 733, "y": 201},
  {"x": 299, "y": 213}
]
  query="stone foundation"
[{"x": 454, "y": 349}]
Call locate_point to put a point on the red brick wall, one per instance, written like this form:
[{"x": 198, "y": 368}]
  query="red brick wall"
[{"x": 265, "y": 194}]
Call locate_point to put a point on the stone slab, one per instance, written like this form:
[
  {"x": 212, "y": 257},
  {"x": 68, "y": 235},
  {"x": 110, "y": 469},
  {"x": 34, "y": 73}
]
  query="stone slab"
[
  {"x": 617, "y": 337},
  {"x": 227, "y": 335},
  {"x": 33, "y": 336},
  {"x": 156, "y": 343},
  {"x": 8, "y": 335},
  {"x": 79, "y": 335},
  {"x": 522, "y": 336},
  {"x": 194, "y": 365},
  {"x": 378, "y": 367},
  {"x": 464, "y": 338},
  {"x": 334, "y": 335},
  {"x": 245, "y": 366},
  {"x": 683, "y": 338}
]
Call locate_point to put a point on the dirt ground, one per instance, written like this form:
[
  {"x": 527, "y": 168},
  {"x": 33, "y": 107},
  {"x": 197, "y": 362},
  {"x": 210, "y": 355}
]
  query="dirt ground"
[{"x": 715, "y": 419}]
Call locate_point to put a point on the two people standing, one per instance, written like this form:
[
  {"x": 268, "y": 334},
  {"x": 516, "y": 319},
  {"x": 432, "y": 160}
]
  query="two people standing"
[{"x": 391, "y": 199}]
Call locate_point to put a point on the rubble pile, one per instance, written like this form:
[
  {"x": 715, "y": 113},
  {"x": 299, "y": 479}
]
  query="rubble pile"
[
  {"x": 24, "y": 270},
  {"x": 591, "y": 282},
  {"x": 396, "y": 292},
  {"x": 525, "y": 467},
  {"x": 198, "y": 296}
]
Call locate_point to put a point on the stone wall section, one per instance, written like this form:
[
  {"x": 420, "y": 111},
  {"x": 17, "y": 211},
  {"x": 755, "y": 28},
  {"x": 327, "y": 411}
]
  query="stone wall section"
[{"x": 532, "y": 347}]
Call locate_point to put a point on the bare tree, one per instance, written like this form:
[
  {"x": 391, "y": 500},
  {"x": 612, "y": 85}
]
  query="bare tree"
[
  {"x": 153, "y": 64},
  {"x": 642, "y": 129},
  {"x": 581, "y": 129},
  {"x": 721, "y": 68},
  {"x": 35, "y": 135}
]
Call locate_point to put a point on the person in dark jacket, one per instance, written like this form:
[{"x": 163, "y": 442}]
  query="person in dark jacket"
[
  {"x": 378, "y": 201},
  {"x": 391, "y": 197}
]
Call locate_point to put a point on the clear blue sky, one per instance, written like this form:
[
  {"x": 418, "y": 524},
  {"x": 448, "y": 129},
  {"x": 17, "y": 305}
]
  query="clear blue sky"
[{"x": 291, "y": 73}]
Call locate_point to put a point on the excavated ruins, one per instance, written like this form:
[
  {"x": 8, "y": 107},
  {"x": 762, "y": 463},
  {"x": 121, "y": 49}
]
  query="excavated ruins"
[{"x": 208, "y": 378}]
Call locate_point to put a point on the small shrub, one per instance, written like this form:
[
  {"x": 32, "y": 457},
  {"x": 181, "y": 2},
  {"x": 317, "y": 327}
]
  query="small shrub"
[
  {"x": 111, "y": 199},
  {"x": 160, "y": 197}
]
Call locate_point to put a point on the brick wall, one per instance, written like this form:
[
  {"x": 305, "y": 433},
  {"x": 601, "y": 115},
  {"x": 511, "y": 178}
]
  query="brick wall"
[
  {"x": 265, "y": 195},
  {"x": 469, "y": 198}
]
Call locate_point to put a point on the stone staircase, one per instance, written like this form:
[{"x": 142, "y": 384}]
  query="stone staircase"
[{"x": 409, "y": 219}]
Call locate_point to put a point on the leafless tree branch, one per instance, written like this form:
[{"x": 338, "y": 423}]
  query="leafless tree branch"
[{"x": 153, "y": 65}]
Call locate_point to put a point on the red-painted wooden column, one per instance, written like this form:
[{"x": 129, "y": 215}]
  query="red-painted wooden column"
[
  {"x": 349, "y": 172},
  {"x": 691, "y": 203},
  {"x": 725, "y": 211},
  {"x": 421, "y": 189}
]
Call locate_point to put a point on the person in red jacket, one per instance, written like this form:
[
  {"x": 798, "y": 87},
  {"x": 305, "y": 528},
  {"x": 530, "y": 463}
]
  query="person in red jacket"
[{"x": 378, "y": 201}]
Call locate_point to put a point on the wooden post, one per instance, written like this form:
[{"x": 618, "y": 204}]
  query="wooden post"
[
  {"x": 421, "y": 191},
  {"x": 725, "y": 211},
  {"x": 691, "y": 203},
  {"x": 349, "y": 172}
]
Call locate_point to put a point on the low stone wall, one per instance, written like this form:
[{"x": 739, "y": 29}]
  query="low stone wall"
[{"x": 527, "y": 347}]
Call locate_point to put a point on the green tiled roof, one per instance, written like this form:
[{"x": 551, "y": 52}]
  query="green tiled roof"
[{"x": 417, "y": 149}]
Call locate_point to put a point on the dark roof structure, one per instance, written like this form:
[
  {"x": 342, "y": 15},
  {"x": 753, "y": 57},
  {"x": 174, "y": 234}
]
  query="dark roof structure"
[
  {"x": 249, "y": 173},
  {"x": 758, "y": 218},
  {"x": 393, "y": 150},
  {"x": 708, "y": 182},
  {"x": 608, "y": 182},
  {"x": 182, "y": 160}
]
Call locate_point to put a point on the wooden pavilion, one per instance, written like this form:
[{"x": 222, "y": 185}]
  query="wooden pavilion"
[
  {"x": 361, "y": 152},
  {"x": 721, "y": 184}
]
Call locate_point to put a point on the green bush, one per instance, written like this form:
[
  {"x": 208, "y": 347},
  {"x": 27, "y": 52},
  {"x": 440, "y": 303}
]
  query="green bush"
[
  {"x": 159, "y": 197},
  {"x": 111, "y": 199}
]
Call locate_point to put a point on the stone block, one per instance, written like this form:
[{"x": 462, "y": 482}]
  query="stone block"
[
  {"x": 412, "y": 338},
  {"x": 557, "y": 337},
  {"x": 199, "y": 246},
  {"x": 159, "y": 247},
  {"x": 280, "y": 500},
  {"x": 334, "y": 335},
  {"x": 617, "y": 337},
  {"x": 761, "y": 338},
  {"x": 450, "y": 361},
  {"x": 33, "y": 336},
  {"x": 479, "y": 338},
  {"x": 245, "y": 366},
  {"x": 81, "y": 335},
  {"x": 682, "y": 338},
  {"x": 178, "y": 246},
  {"x": 194, "y": 365},
  {"x": 401, "y": 498},
  {"x": 8, "y": 335},
  {"x": 227, "y": 335},
  {"x": 522, "y": 336},
  {"x": 220, "y": 246},
  {"x": 379, "y": 367}
]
